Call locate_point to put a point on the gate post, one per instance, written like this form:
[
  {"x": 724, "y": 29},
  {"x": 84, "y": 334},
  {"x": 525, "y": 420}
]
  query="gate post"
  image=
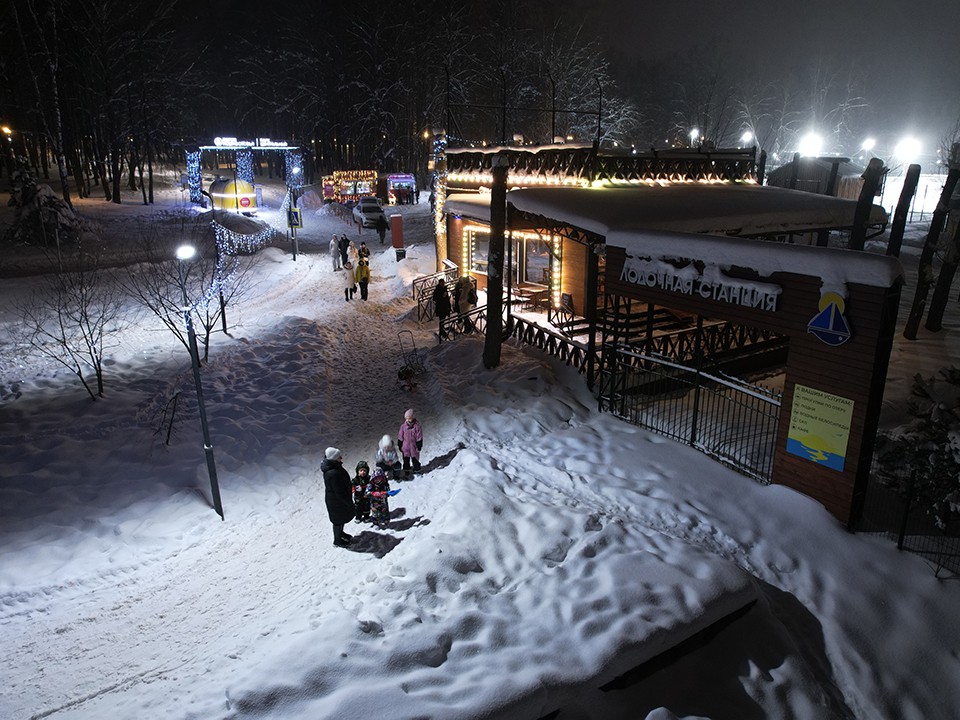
[{"x": 698, "y": 357}]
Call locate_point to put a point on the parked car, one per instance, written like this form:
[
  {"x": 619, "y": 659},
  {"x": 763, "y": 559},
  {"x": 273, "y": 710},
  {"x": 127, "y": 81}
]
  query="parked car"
[{"x": 367, "y": 211}]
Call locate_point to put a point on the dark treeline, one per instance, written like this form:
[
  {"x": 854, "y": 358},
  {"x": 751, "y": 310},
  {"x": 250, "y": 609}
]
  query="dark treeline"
[{"x": 101, "y": 92}]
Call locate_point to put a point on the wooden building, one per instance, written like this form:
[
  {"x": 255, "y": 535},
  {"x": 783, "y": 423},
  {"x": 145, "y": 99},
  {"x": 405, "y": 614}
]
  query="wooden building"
[{"x": 685, "y": 277}]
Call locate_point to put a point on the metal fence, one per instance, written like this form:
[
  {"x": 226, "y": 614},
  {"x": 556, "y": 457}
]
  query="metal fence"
[
  {"x": 889, "y": 512},
  {"x": 728, "y": 419},
  {"x": 423, "y": 291}
]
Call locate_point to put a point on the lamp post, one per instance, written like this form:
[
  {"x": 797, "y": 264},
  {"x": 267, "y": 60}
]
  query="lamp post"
[{"x": 184, "y": 253}]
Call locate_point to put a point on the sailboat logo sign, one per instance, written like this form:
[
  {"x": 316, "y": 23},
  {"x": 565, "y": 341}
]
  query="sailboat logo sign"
[{"x": 829, "y": 325}]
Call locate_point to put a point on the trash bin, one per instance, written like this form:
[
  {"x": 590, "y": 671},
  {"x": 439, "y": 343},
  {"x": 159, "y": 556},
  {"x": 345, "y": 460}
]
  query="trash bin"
[{"x": 401, "y": 253}]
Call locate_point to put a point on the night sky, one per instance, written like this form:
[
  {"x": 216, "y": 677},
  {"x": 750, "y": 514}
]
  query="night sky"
[{"x": 909, "y": 51}]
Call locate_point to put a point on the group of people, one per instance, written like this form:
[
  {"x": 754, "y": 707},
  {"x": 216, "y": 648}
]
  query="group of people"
[
  {"x": 354, "y": 261},
  {"x": 464, "y": 298},
  {"x": 404, "y": 195},
  {"x": 365, "y": 497}
]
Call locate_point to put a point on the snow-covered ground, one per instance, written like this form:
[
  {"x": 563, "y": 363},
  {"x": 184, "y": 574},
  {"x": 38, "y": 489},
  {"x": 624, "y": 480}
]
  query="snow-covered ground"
[{"x": 547, "y": 550}]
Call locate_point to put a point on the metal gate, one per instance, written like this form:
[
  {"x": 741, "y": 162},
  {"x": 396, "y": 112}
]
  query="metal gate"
[{"x": 726, "y": 418}]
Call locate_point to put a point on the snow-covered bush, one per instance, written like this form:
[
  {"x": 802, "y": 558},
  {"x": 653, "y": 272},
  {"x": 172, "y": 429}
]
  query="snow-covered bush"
[
  {"x": 42, "y": 218},
  {"x": 929, "y": 448}
]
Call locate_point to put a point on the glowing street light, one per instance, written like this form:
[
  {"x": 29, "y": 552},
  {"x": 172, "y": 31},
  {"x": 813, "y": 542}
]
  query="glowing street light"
[
  {"x": 811, "y": 145},
  {"x": 907, "y": 150},
  {"x": 694, "y": 134},
  {"x": 747, "y": 137},
  {"x": 185, "y": 253},
  {"x": 869, "y": 144}
]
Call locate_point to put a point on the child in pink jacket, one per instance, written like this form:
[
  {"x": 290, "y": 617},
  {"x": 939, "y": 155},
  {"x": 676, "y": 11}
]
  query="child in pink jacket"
[{"x": 410, "y": 441}]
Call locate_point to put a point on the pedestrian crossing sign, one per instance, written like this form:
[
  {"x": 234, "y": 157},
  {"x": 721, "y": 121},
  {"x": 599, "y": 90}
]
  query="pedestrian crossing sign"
[{"x": 294, "y": 218}]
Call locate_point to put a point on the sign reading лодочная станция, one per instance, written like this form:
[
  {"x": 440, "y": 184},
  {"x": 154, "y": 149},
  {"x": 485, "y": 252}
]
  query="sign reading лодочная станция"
[{"x": 710, "y": 284}]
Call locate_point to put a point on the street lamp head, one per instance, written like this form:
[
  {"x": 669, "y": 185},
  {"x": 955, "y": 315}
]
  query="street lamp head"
[
  {"x": 185, "y": 252},
  {"x": 747, "y": 137},
  {"x": 907, "y": 150},
  {"x": 694, "y": 134},
  {"x": 811, "y": 145},
  {"x": 869, "y": 144}
]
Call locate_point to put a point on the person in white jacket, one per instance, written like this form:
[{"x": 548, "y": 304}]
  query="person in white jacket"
[
  {"x": 388, "y": 458},
  {"x": 349, "y": 282}
]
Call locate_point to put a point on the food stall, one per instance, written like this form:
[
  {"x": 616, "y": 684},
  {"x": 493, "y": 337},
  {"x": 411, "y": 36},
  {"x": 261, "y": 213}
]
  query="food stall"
[
  {"x": 401, "y": 189},
  {"x": 351, "y": 185}
]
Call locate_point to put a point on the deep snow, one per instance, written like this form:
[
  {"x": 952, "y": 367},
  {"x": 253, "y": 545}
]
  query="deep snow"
[{"x": 547, "y": 550}]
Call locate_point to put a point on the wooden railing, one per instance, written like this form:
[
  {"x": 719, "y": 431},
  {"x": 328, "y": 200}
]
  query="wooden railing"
[{"x": 549, "y": 341}]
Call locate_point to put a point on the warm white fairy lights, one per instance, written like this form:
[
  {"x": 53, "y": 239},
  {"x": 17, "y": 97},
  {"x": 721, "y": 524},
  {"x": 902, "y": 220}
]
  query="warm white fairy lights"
[
  {"x": 440, "y": 181},
  {"x": 467, "y": 240}
]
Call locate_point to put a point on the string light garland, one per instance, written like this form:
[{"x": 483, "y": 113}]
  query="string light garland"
[
  {"x": 440, "y": 186},
  {"x": 294, "y": 163},
  {"x": 355, "y": 179},
  {"x": 193, "y": 176},
  {"x": 230, "y": 245},
  {"x": 245, "y": 165}
]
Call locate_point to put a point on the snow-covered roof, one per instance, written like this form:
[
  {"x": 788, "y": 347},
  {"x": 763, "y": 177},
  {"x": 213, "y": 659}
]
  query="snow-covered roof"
[
  {"x": 670, "y": 222},
  {"x": 716, "y": 209},
  {"x": 835, "y": 267}
]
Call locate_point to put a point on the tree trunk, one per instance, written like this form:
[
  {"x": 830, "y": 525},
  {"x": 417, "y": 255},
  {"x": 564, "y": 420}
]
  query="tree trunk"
[
  {"x": 150, "y": 168},
  {"x": 871, "y": 183},
  {"x": 44, "y": 159},
  {"x": 101, "y": 165},
  {"x": 115, "y": 161},
  {"x": 498, "y": 226},
  {"x": 52, "y": 125},
  {"x": 925, "y": 269},
  {"x": 941, "y": 293},
  {"x": 903, "y": 206}
]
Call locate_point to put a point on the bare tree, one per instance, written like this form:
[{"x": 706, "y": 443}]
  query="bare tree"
[
  {"x": 704, "y": 101},
  {"x": 39, "y": 39},
  {"x": 74, "y": 316},
  {"x": 155, "y": 283}
]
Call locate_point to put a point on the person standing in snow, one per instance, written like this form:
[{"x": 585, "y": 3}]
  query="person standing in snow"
[
  {"x": 337, "y": 494},
  {"x": 364, "y": 251},
  {"x": 381, "y": 227},
  {"x": 361, "y": 492},
  {"x": 349, "y": 282},
  {"x": 335, "y": 253},
  {"x": 464, "y": 300},
  {"x": 379, "y": 499},
  {"x": 344, "y": 245},
  {"x": 352, "y": 253},
  {"x": 362, "y": 276},
  {"x": 410, "y": 442},
  {"x": 441, "y": 303},
  {"x": 388, "y": 458}
]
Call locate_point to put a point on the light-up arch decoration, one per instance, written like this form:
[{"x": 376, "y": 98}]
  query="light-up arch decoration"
[{"x": 243, "y": 152}]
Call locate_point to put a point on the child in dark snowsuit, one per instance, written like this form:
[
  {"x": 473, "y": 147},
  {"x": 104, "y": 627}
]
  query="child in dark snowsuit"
[
  {"x": 361, "y": 489},
  {"x": 379, "y": 502}
]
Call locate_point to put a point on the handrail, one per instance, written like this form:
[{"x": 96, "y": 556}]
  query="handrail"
[{"x": 423, "y": 291}]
